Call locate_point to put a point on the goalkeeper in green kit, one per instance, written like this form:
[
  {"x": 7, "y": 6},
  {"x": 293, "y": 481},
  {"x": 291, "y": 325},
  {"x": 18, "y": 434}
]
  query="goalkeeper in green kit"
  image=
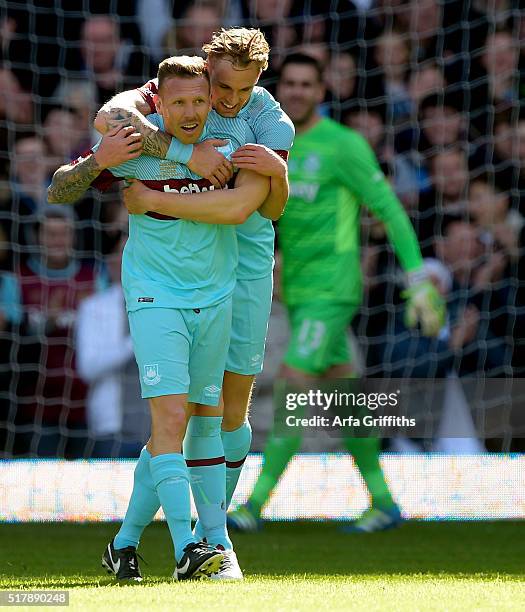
[{"x": 332, "y": 173}]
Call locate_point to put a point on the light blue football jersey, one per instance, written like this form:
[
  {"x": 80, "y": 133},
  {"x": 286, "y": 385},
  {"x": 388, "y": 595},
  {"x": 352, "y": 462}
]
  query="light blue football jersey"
[
  {"x": 273, "y": 128},
  {"x": 174, "y": 263}
]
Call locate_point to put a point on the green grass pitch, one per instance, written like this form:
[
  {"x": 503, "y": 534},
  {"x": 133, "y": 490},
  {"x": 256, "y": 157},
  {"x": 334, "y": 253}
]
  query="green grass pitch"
[{"x": 288, "y": 566}]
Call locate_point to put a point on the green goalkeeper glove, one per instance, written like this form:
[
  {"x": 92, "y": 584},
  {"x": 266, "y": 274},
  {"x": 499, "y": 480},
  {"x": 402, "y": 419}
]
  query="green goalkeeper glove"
[{"x": 424, "y": 306}]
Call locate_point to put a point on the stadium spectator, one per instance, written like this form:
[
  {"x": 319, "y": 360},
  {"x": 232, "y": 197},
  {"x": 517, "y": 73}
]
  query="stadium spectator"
[
  {"x": 468, "y": 344},
  {"x": 154, "y": 19},
  {"x": 10, "y": 320},
  {"x": 118, "y": 418},
  {"x": 449, "y": 173},
  {"x": 10, "y": 311},
  {"x": 340, "y": 76},
  {"x": 423, "y": 19},
  {"x": 349, "y": 87},
  {"x": 425, "y": 79},
  {"x": 109, "y": 61},
  {"x": 501, "y": 231},
  {"x": 440, "y": 124},
  {"x": 476, "y": 293},
  {"x": 500, "y": 60},
  {"x": 29, "y": 170},
  {"x": 370, "y": 125},
  {"x": 392, "y": 54},
  {"x": 80, "y": 96},
  {"x": 51, "y": 394},
  {"x": 488, "y": 207},
  {"x": 273, "y": 17},
  {"x": 441, "y": 121},
  {"x": 16, "y": 105},
  {"x": 64, "y": 135},
  {"x": 341, "y": 80},
  {"x": 264, "y": 12},
  {"x": 194, "y": 28},
  {"x": 507, "y": 155},
  {"x": 317, "y": 50},
  {"x": 449, "y": 177},
  {"x": 29, "y": 45},
  {"x": 496, "y": 88},
  {"x": 29, "y": 175}
]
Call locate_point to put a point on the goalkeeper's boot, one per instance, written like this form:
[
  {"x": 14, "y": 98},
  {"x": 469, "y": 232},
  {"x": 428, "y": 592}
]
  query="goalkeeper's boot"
[
  {"x": 375, "y": 519},
  {"x": 198, "y": 561},
  {"x": 244, "y": 519},
  {"x": 122, "y": 562},
  {"x": 230, "y": 568}
]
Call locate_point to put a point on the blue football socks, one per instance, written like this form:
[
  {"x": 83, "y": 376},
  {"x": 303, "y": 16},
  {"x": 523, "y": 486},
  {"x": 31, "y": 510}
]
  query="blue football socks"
[
  {"x": 204, "y": 453},
  {"x": 171, "y": 478},
  {"x": 143, "y": 505},
  {"x": 236, "y": 447}
]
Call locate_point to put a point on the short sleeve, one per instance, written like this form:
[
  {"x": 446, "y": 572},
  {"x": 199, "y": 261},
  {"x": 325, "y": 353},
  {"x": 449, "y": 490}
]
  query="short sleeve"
[
  {"x": 270, "y": 124},
  {"x": 275, "y": 130}
]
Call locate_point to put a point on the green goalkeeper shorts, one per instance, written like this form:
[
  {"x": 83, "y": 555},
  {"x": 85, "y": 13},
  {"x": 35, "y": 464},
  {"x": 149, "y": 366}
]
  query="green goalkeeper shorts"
[{"x": 319, "y": 336}]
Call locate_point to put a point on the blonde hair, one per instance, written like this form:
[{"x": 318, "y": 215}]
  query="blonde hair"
[
  {"x": 181, "y": 66},
  {"x": 241, "y": 46}
]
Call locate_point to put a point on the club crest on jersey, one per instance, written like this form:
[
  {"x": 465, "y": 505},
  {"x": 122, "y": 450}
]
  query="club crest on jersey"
[
  {"x": 171, "y": 169},
  {"x": 151, "y": 374}
]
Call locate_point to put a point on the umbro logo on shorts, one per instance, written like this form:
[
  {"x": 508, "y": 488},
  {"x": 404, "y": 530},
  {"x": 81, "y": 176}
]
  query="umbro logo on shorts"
[
  {"x": 148, "y": 300},
  {"x": 151, "y": 374},
  {"x": 255, "y": 359},
  {"x": 212, "y": 390}
]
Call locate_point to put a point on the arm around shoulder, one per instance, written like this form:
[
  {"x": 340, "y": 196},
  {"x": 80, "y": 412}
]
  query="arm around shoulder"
[
  {"x": 219, "y": 206},
  {"x": 274, "y": 205},
  {"x": 250, "y": 192},
  {"x": 130, "y": 100}
]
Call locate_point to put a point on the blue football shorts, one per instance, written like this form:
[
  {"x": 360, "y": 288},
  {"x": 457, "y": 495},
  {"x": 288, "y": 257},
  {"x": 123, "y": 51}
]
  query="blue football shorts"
[
  {"x": 182, "y": 350},
  {"x": 252, "y": 302}
]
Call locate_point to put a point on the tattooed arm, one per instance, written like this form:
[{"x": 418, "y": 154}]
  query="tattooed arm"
[
  {"x": 71, "y": 181},
  {"x": 155, "y": 142},
  {"x": 130, "y": 108},
  {"x": 126, "y": 100}
]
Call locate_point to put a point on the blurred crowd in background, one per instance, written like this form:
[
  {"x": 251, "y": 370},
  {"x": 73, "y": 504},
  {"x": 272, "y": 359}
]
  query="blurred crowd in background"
[{"x": 436, "y": 87}]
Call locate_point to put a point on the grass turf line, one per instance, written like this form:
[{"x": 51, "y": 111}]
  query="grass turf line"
[{"x": 289, "y": 566}]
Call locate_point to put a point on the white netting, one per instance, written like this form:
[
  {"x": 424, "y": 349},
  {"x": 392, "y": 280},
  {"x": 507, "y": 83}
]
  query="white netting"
[{"x": 436, "y": 87}]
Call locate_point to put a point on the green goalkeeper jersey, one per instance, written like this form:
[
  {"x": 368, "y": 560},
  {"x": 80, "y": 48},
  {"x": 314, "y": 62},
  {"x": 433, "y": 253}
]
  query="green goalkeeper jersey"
[{"x": 333, "y": 172}]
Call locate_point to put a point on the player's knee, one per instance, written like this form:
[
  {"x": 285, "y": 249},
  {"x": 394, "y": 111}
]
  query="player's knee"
[
  {"x": 170, "y": 419},
  {"x": 175, "y": 421},
  {"x": 234, "y": 417},
  {"x": 237, "y": 389}
]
